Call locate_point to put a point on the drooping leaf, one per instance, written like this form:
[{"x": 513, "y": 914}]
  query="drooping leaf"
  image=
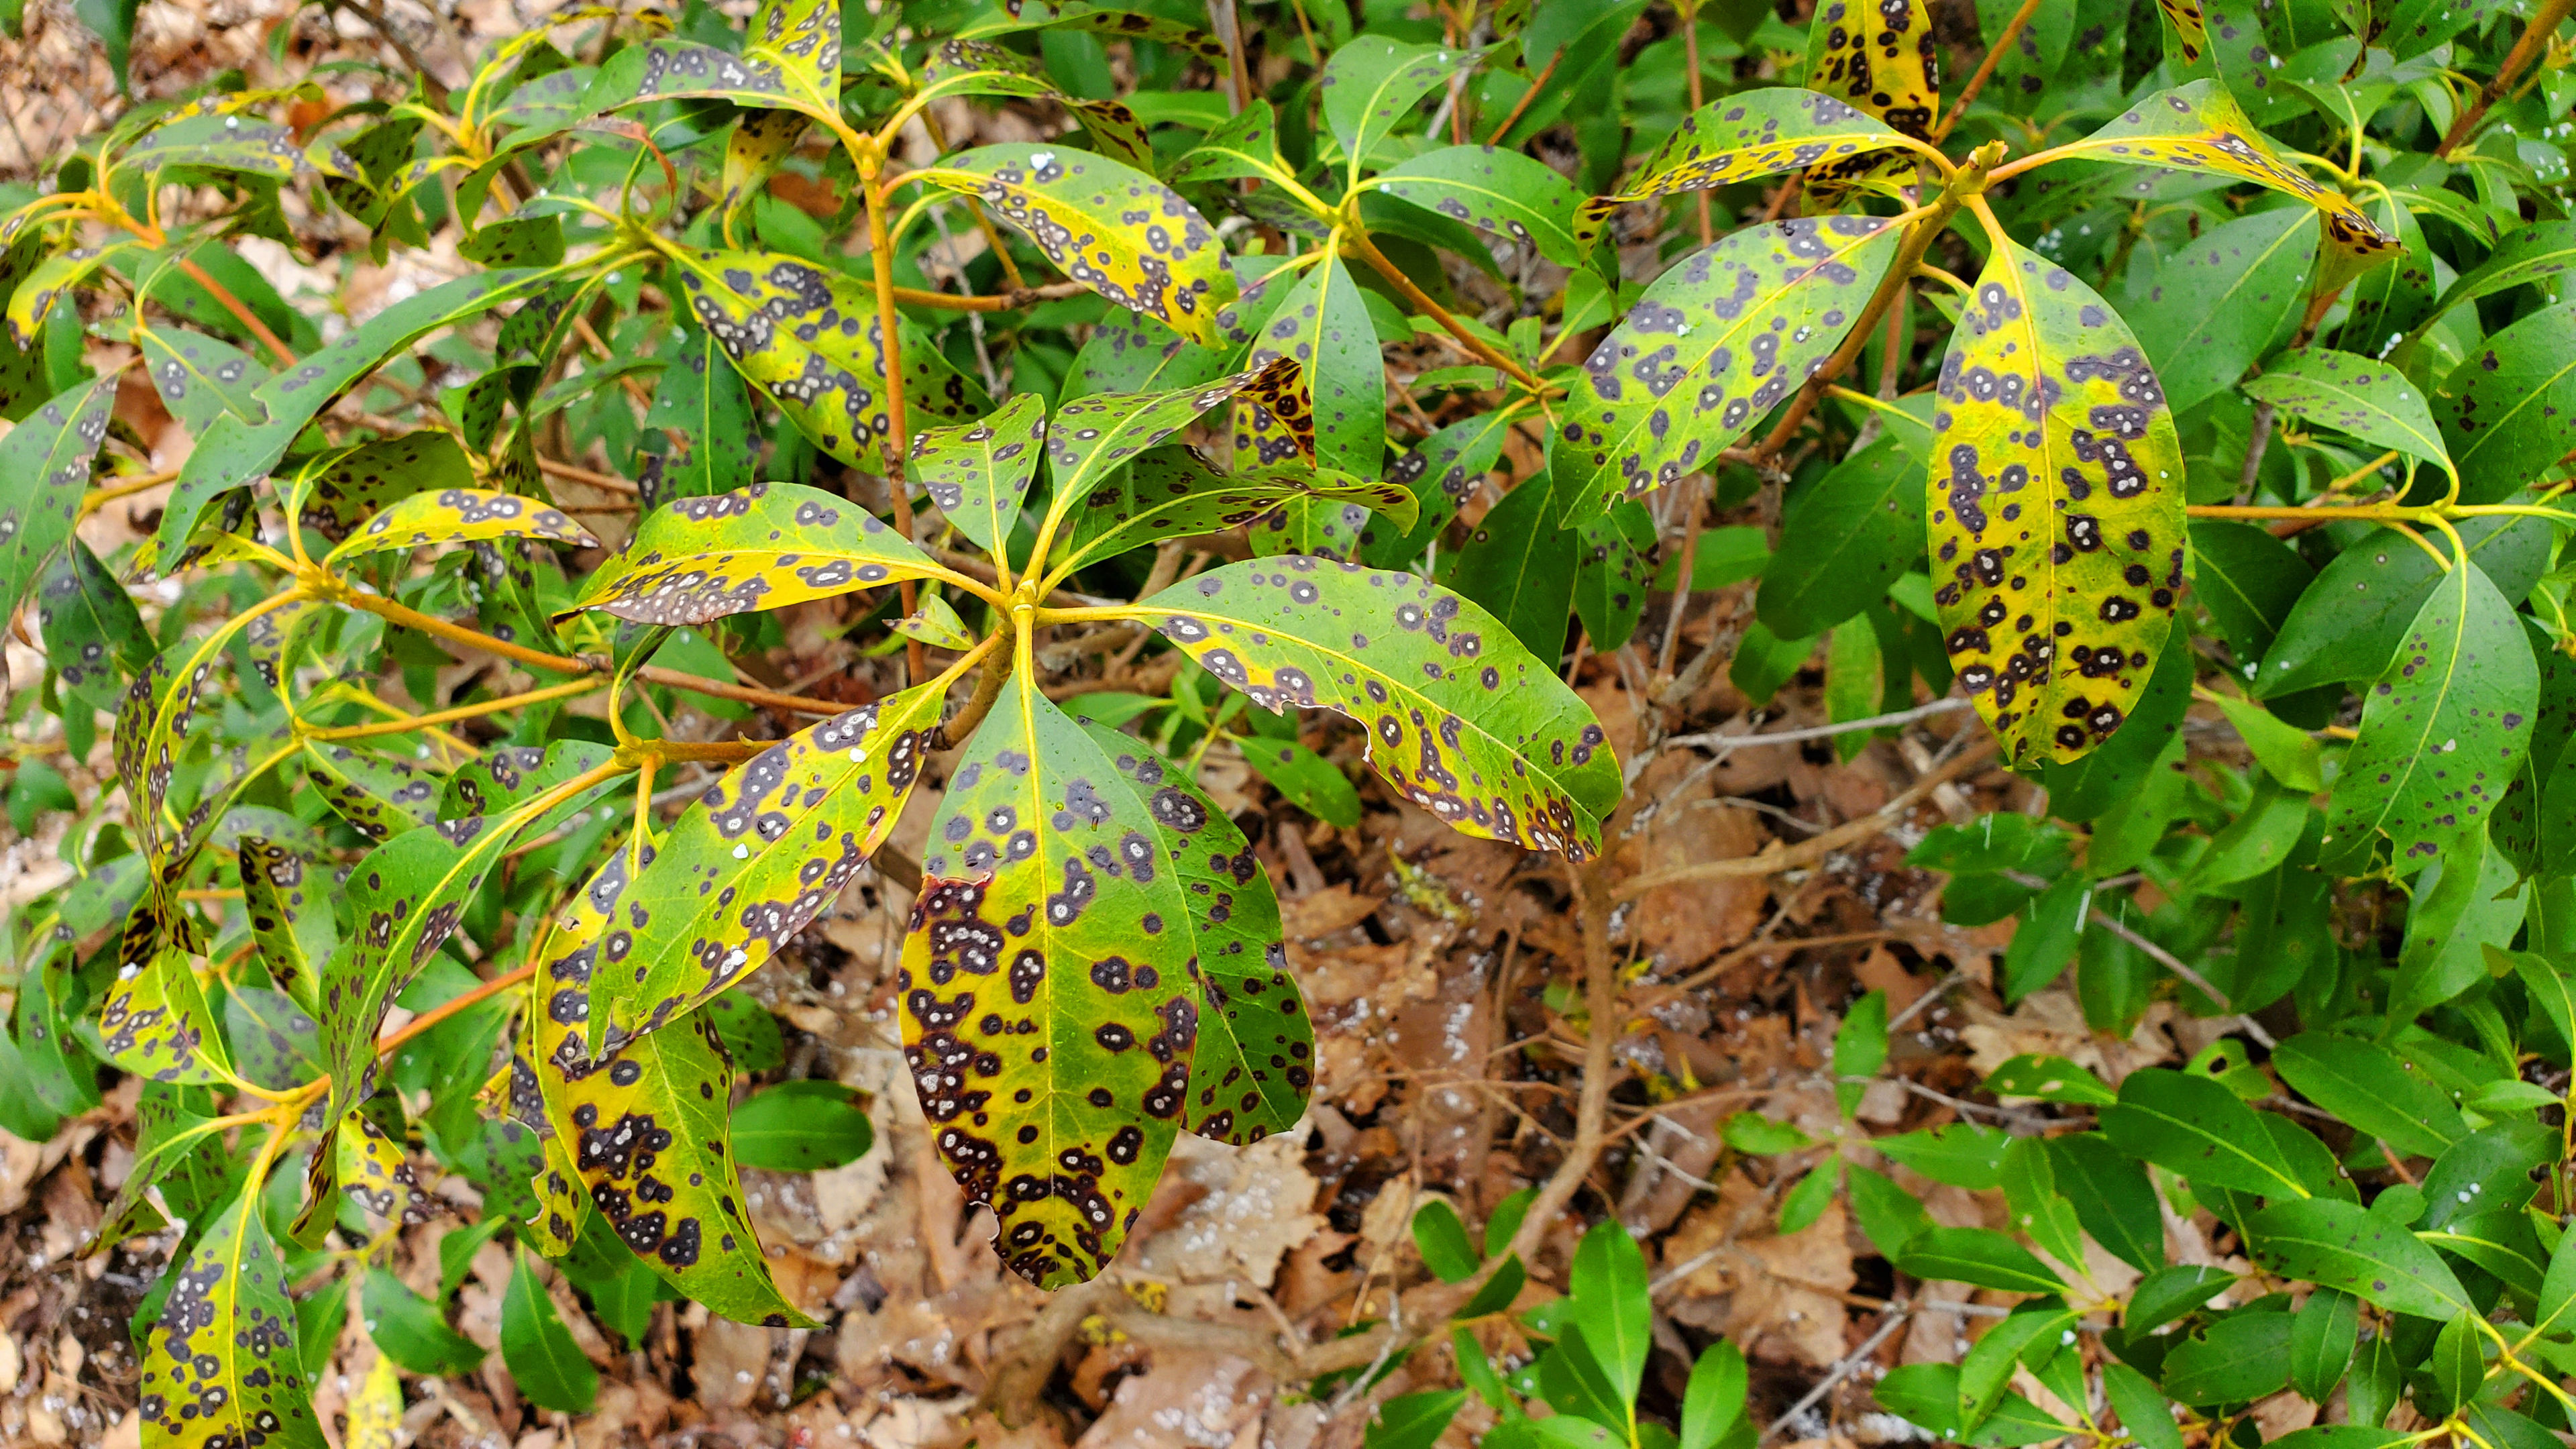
[
  {"x": 1106, "y": 225},
  {"x": 154, "y": 1020},
  {"x": 1254, "y": 1063},
  {"x": 761, "y": 547},
  {"x": 748, "y": 865},
  {"x": 44, "y": 470},
  {"x": 1757, "y": 133},
  {"x": 219, "y": 1367},
  {"x": 1613, "y": 573},
  {"x": 1462, "y": 719},
  {"x": 1335, "y": 412},
  {"x": 979, "y": 473},
  {"x": 647, "y": 1129},
  {"x": 2443, "y": 731},
  {"x": 2199, "y": 127},
  {"x": 376, "y": 1175},
  {"x": 2056, "y": 511},
  {"x": 1505, "y": 193},
  {"x": 1713, "y": 345},
  {"x": 1879, "y": 57},
  {"x": 289, "y": 906},
  {"x": 1050, "y": 1043},
  {"x": 545, "y": 1362}
]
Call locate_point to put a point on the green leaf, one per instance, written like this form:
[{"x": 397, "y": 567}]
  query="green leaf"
[
  {"x": 1980, "y": 1256},
  {"x": 337, "y": 491},
  {"x": 2055, "y": 650},
  {"x": 1503, "y": 193},
  {"x": 2371, "y": 401},
  {"x": 2511, "y": 403},
  {"x": 2039, "y": 1211},
  {"x": 2145, "y": 1414},
  {"x": 1962, "y": 1154},
  {"x": 1800, "y": 1206},
  {"x": 1171, "y": 492},
  {"x": 411, "y": 1330},
  {"x": 1927, "y": 1394},
  {"x": 2198, "y": 127},
  {"x": 544, "y": 1362},
  {"x": 1611, "y": 573},
  {"x": 1606, "y": 1293},
  {"x": 1502, "y": 750},
  {"x": 2249, "y": 581},
  {"x": 2442, "y": 732},
  {"x": 44, "y": 470},
  {"x": 1855, "y": 682},
  {"x": 1106, "y": 225},
  {"x": 749, "y": 864},
  {"x": 459, "y": 515},
  {"x": 2288, "y": 754},
  {"x": 2340, "y": 1245},
  {"x": 762, "y": 547},
  {"x": 2031, "y": 1334},
  {"x": 1756, "y": 1135},
  {"x": 2323, "y": 1336},
  {"x": 1303, "y": 778},
  {"x": 2223, "y": 300},
  {"x": 1442, "y": 1240},
  {"x": 2169, "y": 1293},
  {"x": 1752, "y": 134},
  {"x": 2536, "y": 255},
  {"x": 220, "y": 1365},
  {"x": 979, "y": 472},
  {"x": 1888, "y": 1215},
  {"x": 1860, "y": 1049},
  {"x": 1052, "y": 1057},
  {"x": 1413, "y": 1421},
  {"x": 1372, "y": 83},
  {"x": 2049, "y": 1079},
  {"x": 1715, "y": 343},
  {"x": 2362, "y": 1083},
  {"x": 2354, "y": 616},
  {"x": 1713, "y": 1400},
  {"x": 801, "y": 1127},
  {"x": 233, "y": 142},
  {"x": 2191, "y": 1125},
  {"x": 1244, "y": 146},
  {"x": 701, "y": 403},
  {"x": 1521, "y": 567},
  {"x": 2233, "y": 1361},
  {"x": 1843, "y": 539}
]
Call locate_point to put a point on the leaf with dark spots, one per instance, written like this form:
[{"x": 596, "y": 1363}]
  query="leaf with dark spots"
[
  {"x": 807, "y": 337},
  {"x": 647, "y": 1130},
  {"x": 2509, "y": 411},
  {"x": 1715, "y": 344},
  {"x": 287, "y": 895},
  {"x": 1256, "y": 1051},
  {"x": 2371, "y": 401},
  {"x": 791, "y": 58},
  {"x": 219, "y": 1366},
  {"x": 556, "y": 1200},
  {"x": 201, "y": 378},
  {"x": 1502, "y": 193},
  {"x": 1326, "y": 399},
  {"x": 2443, "y": 730},
  {"x": 1462, "y": 720},
  {"x": 2198, "y": 127},
  {"x": 405, "y": 898},
  {"x": 94, "y": 637},
  {"x": 1757, "y": 133},
  {"x": 337, "y": 491},
  {"x": 1879, "y": 56},
  {"x": 381, "y": 795},
  {"x": 2056, "y": 508},
  {"x": 1092, "y": 437},
  {"x": 460, "y": 515},
  {"x": 1047, "y": 996},
  {"x": 978, "y": 473},
  {"x": 54, "y": 279},
  {"x": 153, "y": 1019},
  {"x": 762, "y": 547},
  {"x": 44, "y": 471},
  {"x": 751, "y": 862},
  {"x": 1105, "y": 224},
  {"x": 1372, "y": 83},
  {"x": 1105, "y": 21}
]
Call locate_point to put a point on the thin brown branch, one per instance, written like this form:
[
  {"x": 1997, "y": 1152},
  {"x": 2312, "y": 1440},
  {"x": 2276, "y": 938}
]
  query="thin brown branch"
[{"x": 2535, "y": 39}]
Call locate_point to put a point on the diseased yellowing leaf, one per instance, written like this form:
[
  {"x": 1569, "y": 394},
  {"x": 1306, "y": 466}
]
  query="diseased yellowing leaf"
[
  {"x": 763, "y": 547},
  {"x": 219, "y": 1366},
  {"x": 1878, "y": 55},
  {"x": 1255, "y": 1060},
  {"x": 1753, "y": 134},
  {"x": 1462, "y": 720},
  {"x": 978, "y": 473},
  {"x": 751, "y": 863},
  {"x": 460, "y": 515},
  {"x": 1048, "y": 1012},
  {"x": 2056, "y": 502}
]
